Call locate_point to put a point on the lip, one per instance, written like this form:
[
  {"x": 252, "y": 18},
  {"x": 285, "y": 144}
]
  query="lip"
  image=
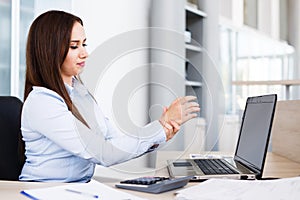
[{"x": 81, "y": 64}]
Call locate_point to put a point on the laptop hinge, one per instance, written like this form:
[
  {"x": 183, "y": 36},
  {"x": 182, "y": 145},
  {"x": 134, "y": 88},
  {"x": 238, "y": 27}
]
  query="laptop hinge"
[{"x": 247, "y": 165}]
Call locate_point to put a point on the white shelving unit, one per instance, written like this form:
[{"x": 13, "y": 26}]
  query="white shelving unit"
[
  {"x": 171, "y": 19},
  {"x": 195, "y": 129},
  {"x": 191, "y": 63},
  {"x": 195, "y": 11},
  {"x": 192, "y": 47},
  {"x": 193, "y": 83},
  {"x": 193, "y": 51}
]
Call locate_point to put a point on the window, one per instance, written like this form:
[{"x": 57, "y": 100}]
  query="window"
[
  {"x": 26, "y": 18},
  {"x": 5, "y": 41},
  {"x": 247, "y": 55},
  {"x": 15, "y": 20}
]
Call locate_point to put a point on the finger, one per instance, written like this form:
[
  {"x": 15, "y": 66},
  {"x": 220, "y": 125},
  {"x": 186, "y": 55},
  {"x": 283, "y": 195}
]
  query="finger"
[
  {"x": 192, "y": 110},
  {"x": 170, "y": 133},
  {"x": 175, "y": 125},
  {"x": 188, "y": 117},
  {"x": 192, "y": 104},
  {"x": 188, "y": 98},
  {"x": 183, "y": 100},
  {"x": 176, "y": 130},
  {"x": 164, "y": 110},
  {"x": 168, "y": 126}
]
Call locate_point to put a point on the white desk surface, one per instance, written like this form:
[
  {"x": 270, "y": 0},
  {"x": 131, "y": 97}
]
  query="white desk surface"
[{"x": 276, "y": 166}]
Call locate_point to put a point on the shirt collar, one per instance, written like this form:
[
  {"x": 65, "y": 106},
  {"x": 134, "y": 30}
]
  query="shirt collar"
[
  {"x": 69, "y": 87},
  {"x": 77, "y": 88}
]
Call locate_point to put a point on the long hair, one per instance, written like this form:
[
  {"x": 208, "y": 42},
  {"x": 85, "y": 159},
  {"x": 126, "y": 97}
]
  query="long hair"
[{"x": 47, "y": 47}]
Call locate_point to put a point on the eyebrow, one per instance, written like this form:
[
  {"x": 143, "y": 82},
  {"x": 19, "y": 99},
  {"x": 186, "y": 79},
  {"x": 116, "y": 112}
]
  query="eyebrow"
[{"x": 78, "y": 40}]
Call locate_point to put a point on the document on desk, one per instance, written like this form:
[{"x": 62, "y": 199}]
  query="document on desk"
[
  {"x": 79, "y": 191},
  {"x": 226, "y": 189}
]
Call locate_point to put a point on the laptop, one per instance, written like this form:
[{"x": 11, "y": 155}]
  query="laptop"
[{"x": 251, "y": 149}]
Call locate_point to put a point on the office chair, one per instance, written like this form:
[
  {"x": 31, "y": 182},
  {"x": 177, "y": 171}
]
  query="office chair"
[{"x": 12, "y": 147}]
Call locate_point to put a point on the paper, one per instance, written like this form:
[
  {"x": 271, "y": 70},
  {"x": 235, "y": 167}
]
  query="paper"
[
  {"x": 226, "y": 189},
  {"x": 79, "y": 191}
]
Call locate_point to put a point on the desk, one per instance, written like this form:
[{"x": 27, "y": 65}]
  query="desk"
[{"x": 276, "y": 166}]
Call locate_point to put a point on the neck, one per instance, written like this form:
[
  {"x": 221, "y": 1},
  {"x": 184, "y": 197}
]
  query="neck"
[{"x": 68, "y": 80}]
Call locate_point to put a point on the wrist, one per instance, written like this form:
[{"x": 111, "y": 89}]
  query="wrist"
[
  {"x": 168, "y": 132},
  {"x": 162, "y": 122}
]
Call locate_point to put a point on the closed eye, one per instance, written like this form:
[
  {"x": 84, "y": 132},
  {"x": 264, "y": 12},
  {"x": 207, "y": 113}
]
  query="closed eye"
[{"x": 73, "y": 47}]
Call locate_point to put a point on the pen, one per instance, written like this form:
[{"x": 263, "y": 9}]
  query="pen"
[{"x": 83, "y": 193}]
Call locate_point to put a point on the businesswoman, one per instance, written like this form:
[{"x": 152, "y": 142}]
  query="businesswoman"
[{"x": 64, "y": 130}]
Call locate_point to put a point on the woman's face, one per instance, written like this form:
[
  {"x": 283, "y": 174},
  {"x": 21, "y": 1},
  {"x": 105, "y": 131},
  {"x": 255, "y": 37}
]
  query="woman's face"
[{"x": 77, "y": 54}]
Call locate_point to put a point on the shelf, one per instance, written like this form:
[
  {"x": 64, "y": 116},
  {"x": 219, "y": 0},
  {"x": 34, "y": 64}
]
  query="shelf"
[
  {"x": 192, "y": 47},
  {"x": 195, "y": 11},
  {"x": 193, "y": 83}
]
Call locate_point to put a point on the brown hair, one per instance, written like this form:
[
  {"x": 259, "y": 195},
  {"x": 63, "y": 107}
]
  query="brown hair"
[{"x": 47, "y": 47}]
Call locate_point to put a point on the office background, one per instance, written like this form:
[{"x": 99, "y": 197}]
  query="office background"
[{"x": 249, "y": 40}]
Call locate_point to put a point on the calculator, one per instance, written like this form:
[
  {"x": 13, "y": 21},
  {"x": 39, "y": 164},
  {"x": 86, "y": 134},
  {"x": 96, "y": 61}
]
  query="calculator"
[{"x": 154, "y": 184}]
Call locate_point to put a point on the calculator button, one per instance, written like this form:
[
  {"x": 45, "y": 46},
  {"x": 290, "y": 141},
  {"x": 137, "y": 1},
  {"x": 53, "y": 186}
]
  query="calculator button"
[{"x": 145, "y": 180}]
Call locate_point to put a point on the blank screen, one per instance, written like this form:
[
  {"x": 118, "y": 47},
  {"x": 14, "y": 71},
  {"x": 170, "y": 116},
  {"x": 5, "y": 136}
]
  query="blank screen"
[{"x": 255, "y": 132}]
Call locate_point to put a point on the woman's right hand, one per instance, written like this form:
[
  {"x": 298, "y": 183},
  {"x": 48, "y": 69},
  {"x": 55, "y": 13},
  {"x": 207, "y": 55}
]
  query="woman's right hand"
[{"x": 171, "y": 127}]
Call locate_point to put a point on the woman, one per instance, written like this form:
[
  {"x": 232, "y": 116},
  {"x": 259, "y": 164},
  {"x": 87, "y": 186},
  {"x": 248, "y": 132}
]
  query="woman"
[{"x": 62, "y": 142}]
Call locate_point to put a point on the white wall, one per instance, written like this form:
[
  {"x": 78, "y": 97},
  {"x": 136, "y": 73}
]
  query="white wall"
[
  {"x": 103, "y": 20},
  {"x": 269, "y": 17},
  {"x": 233, "y": 10},
  {"x": 41, "y": 6},
  {"x": 266, "y": 14}
]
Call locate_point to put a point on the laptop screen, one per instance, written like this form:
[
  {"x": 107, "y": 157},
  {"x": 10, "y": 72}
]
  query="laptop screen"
[{"x": 255, "y": 131}]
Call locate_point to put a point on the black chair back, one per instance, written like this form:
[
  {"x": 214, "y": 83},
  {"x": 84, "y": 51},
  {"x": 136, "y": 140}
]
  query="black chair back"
[{"x": 12, "y": 147}]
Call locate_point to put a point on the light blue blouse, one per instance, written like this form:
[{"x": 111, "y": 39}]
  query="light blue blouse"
[{"x": 60, "y": 148}]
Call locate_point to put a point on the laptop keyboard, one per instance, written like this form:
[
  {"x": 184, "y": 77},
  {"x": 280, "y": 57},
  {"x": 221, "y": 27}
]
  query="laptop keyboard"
[{"x": 214, "y": 166}]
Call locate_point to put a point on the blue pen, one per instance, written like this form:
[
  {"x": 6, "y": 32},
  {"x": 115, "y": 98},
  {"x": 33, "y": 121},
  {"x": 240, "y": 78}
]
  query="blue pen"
[
  {"x": 83, "y": 193},
  {"x": 28, "y": 195}
]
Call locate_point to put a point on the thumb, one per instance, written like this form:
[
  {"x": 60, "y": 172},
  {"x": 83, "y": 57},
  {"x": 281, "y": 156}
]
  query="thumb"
[{"x": 165, "y": 109}]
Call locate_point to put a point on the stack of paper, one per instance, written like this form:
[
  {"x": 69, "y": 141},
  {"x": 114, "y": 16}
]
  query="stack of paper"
[
  {"x": 79, "y": 191},
  {"x": 225, "y": 189}
]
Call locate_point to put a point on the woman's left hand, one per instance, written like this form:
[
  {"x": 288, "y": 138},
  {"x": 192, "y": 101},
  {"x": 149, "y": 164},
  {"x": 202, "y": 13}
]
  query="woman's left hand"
[{"x": 181, "y": 110}]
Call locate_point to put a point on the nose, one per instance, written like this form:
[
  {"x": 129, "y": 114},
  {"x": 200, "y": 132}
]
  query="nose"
[{"x": 83, "y": 53}]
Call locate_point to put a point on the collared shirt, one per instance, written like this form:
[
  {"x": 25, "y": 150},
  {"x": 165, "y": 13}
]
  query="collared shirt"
[{"x": 61, "y": 148}]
